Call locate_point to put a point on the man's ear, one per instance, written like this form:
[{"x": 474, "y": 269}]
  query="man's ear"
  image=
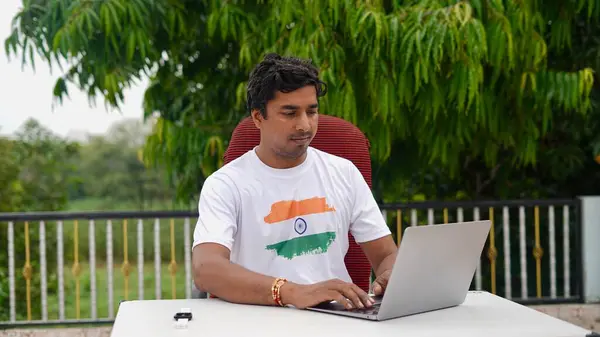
[{"x": 257, "y": 117}]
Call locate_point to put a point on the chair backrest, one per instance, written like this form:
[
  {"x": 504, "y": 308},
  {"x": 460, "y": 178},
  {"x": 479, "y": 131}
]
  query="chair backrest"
[{"x": 335, "y": 136}]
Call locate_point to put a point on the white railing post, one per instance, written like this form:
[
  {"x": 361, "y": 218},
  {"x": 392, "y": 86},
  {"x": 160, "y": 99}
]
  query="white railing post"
[
  {"x": 43, "y": 271},
  {"x": 140, "y": 258},
  {"x": 552, "y": 246},
  {"x": 430, "y": 219},
  {"x": 11, "y": 271},
  {"x": 187, "y": 246},
  {"x": 478, "y": 285},
  {"x": 507, "y": 262},
  {"x": 590, "y": 234},
  {"x": 109, "y": 269},
  {"x": 566, "y": 252},
  {"x": 61, "y": 268},
  {"x": 523, "y": 252},
  {"x": 157, "y": 260},
  {"x": 92, "y": 252}
]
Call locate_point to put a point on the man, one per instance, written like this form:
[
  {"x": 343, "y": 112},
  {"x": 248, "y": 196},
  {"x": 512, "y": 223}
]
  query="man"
[{"x": 273, "y": 224}]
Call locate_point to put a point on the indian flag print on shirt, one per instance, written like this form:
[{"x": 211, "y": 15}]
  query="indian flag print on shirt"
[{"x": 302, "y": 244}]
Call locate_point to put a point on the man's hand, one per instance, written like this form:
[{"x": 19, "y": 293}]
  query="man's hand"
[
  {"x": 381, "y": 282},
  {"x": 304, "y": 296}
]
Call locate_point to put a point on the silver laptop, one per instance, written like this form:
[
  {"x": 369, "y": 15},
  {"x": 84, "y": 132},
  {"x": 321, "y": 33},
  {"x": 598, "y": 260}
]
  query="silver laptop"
[{"x": 433, "y": 270}]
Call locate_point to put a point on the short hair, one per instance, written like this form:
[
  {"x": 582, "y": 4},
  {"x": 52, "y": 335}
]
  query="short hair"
[{"x": 280, "y": 73}]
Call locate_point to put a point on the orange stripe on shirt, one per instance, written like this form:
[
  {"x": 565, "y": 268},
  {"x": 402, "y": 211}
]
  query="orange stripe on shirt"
[{"x": 288, "y": 209}]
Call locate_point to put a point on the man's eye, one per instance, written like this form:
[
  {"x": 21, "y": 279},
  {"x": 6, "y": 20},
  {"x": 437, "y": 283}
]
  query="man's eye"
[
  {"x": 312, "y": 112},
  {"x": 289, "y": 113}
]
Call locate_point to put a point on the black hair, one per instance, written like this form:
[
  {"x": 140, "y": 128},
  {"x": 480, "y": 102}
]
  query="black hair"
[{"x": 280, "y": 73}]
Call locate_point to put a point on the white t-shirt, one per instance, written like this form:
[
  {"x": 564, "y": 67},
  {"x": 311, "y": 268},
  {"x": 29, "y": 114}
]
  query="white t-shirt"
[{"x": 290, "y": 223}]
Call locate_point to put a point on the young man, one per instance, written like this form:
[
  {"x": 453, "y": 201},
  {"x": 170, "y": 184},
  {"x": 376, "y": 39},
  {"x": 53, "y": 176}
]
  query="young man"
[{"x": 273, "y": 224}]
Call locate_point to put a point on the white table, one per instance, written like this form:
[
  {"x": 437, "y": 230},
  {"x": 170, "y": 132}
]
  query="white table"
[{"x": 482, "y": 314}]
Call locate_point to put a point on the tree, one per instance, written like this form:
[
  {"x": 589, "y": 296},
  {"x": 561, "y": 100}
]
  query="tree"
[
  {"x": 568, "y": 154},
  {"x": 10, "y": 187},
  {"x": 46, "y": 167},
  {"x": 451, "y": 82},
  {"x": 112, "y": 167}
]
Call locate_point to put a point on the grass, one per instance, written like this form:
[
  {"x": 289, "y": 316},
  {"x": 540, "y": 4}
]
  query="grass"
[{"x": 119, "y": 290}]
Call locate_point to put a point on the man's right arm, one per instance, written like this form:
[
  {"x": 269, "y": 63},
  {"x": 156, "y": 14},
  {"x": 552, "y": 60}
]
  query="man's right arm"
[
  {"x": 216, "y": 274},
  {"x": 213, "y": 239}
]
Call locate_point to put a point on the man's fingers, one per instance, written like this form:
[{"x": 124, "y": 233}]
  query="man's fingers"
[
  {"x": 349, "y": 295},
  {"x": 359, "y": 297},
  {"x": 341, "y": 299},
  {"x": 364, "y": 297},
  {"x": 377, "y": 289},
  {"x": 380, "y": 283},
  {"x": 348, "y": 291}
]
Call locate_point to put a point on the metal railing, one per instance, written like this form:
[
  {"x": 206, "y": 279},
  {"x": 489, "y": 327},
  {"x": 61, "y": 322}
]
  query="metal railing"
[
  {"x": 532, "y": 238},
  {"x": 42, "y": 245}
]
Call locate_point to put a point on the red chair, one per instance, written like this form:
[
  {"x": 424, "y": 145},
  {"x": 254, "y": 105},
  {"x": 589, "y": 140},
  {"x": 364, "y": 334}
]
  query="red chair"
[{"x": 335, "y": 136}]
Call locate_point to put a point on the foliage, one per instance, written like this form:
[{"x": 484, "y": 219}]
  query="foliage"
[
  {"x": 10, "y": 187},
  {"x": 111, "y": 167},
  {"x": 565, "y": 165},
  {"x": 46, "y": 167},
  {"x": 41, "y": 171},
  {"x": 453, "y": 79},
  {"x": 188, "y": 154}
]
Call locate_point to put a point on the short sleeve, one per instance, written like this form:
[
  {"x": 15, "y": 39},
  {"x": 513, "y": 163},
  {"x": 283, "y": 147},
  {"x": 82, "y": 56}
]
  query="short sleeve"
[
  {"x": 217, "y": 212},
  {"x": 367, "y": 222}
]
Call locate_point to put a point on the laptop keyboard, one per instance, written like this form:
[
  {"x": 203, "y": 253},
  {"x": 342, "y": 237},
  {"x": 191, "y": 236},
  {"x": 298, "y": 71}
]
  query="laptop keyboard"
[{"x": 373, "y": 310}]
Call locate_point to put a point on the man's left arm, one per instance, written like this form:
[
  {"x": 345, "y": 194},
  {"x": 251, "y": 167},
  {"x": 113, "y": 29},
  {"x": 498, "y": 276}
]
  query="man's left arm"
[
  {"x": 371, "y": 231},
  {"x": 382, "y": 255}
]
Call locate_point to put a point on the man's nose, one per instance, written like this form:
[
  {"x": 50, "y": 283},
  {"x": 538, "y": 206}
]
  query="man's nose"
[{"x": 302, "y": 123}]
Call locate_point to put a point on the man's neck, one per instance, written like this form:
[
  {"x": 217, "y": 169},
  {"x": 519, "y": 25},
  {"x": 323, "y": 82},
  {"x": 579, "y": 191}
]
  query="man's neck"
[{"x": 269, "y": 158}]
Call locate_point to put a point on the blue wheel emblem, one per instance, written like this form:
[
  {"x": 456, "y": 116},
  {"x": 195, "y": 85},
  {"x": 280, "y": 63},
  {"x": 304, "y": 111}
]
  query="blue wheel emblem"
[{"x": 300, "y": 226}]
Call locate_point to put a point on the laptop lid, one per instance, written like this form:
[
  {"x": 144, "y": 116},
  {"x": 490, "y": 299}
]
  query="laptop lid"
[{"x": 434, "y": 267}]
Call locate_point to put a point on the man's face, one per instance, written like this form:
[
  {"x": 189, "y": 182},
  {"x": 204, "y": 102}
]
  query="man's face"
[{"x": 291, "y": 122}]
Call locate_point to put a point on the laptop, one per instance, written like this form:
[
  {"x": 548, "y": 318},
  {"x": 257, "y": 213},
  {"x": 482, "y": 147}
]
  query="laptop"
[{"x": 433, "y": 270}]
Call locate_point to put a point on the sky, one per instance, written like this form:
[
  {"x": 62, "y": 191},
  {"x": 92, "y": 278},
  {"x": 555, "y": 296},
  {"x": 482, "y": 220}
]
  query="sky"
[{"x": 25, "y": 93}]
